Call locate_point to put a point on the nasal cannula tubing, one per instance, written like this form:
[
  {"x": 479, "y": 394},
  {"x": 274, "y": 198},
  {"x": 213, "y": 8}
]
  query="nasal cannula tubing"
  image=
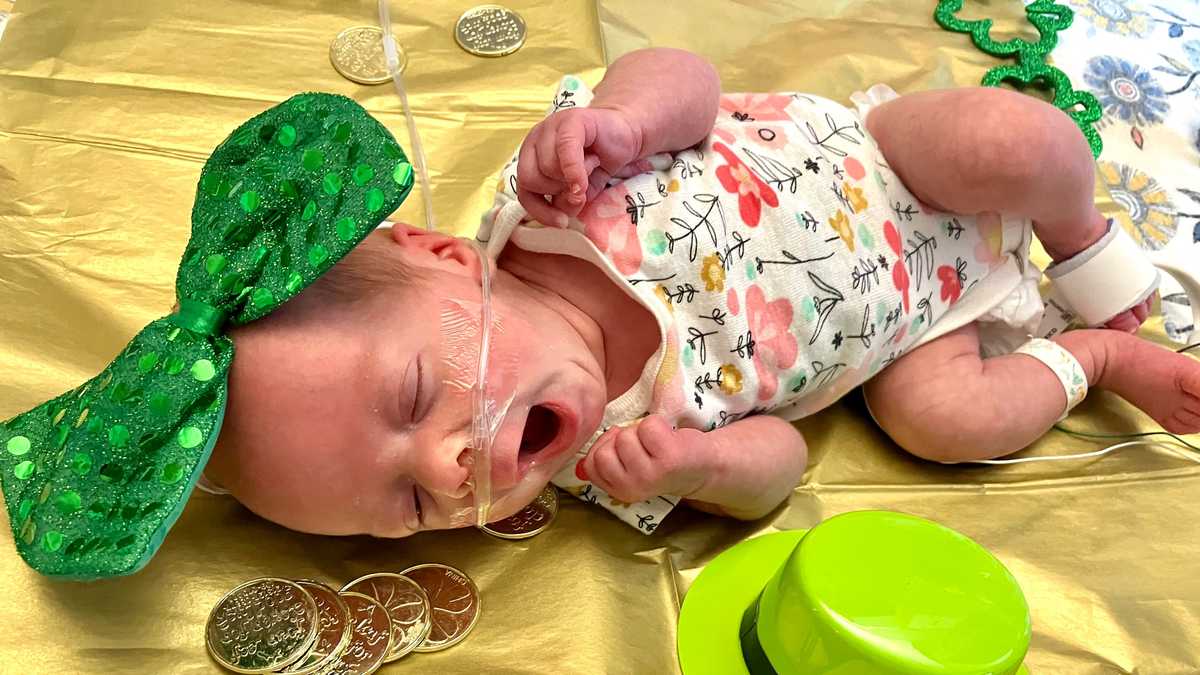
[{"x": 483, "y": 426}]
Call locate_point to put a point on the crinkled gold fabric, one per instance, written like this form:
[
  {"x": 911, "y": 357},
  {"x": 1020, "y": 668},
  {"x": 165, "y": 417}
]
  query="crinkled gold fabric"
[{"x": 107, "y": 111}]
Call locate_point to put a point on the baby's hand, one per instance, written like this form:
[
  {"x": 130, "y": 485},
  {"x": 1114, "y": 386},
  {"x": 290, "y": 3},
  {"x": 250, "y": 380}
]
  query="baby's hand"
[
  {"x": 648, "y": 459},
  {"x": 570, "y": 156}
]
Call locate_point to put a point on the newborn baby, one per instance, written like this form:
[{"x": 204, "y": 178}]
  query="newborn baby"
[{"x": 677, "y": 274}]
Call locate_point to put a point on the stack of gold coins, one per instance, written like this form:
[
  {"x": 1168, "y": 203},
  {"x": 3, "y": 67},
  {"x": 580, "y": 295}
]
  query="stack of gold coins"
[{"x": 304, "y": 627}]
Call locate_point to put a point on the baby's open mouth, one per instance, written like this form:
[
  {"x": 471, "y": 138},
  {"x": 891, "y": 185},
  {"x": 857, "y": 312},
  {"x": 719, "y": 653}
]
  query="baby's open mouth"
[{"x": 542, "y": 428}]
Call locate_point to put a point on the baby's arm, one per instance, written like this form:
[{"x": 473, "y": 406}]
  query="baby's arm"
[
  {"x": 650, "y": 101},
  {"x": 741, "y": 470}
]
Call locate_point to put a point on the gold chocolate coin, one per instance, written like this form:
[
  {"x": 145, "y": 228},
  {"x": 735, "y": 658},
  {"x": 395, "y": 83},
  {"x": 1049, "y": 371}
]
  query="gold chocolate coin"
[
  {"x": 490, "y": 30},
  {"x": 370, "y": 638},
  {"x": 455, "y": 603},
  {"x": 357, "y": 54},
  {"x": 262, "y": 626},
  {"x": 529, "y": 521},
  {"x": 333, "y": 629},
  {"x": 404, "y": 601}
]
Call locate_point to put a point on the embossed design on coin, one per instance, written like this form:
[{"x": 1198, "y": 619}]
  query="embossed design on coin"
[
  {"x": 262, "y": 626},
  {"x": 357, "y": 54},
  {"x": 529, "y": 521},
  {"x": 490, "y": 30},
  {"x": 455, "y": 603},
  {"x": 405, "y": 601},
  {"x": 370, "y": 638},
  {"x": 333, "y": 629}
]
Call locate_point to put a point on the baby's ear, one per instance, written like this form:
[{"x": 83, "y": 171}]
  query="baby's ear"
[{"x": 436, "y": 249}]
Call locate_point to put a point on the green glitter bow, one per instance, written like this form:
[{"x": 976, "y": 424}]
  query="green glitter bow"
[
  {"x": 1031, "y": 67},
  {"x": 95, "y": 478}
]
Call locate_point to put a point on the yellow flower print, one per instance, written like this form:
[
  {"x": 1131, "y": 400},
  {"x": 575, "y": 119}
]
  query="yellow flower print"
[
  {"x": 854, "y": 195},
  {"x": 1146, "y": 212},
  {"x": 673, "y": 186},
  {"x": 713, "y": 273},
  {"x": 731, "y": 379},
  {"x": 661, "y": 292},
  {"x": 841, "y": 224}
]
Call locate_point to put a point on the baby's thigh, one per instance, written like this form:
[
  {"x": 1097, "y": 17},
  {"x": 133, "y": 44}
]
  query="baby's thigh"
[{"x": 923, "y": 391}]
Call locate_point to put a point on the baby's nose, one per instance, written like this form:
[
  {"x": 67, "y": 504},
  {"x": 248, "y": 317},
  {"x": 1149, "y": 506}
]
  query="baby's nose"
[{"x": 444, "y": 470}]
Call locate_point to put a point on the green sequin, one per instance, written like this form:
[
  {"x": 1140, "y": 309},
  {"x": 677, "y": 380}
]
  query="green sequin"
[
  {"x": 68, "y": 502},
  {"x": 171, "y": 473},
  {"x": 203, "y": 370},
  {"x": 190, "y": 437},
  {"x": 147, "y": 362},
  {"x": 331, "y": 184},
  {"x": 286, "y": 135},
  {"x": 215, "y": 264},
  {"x": 118, "y": 435},
  {"x": 310, "y": 210},
  {"x": 95, "y": 424},
  {"x": 52, "y": 541},
  {"x": 288, "y": 189},
  {"x": 374, "y": 200},
  {"x": 61, "y": 432},
  {"x": 81, "y": 463},
  {"x": 249, "y": 201},
  {"x": 402, "y": 174},
  {"x": 17, "y": 446},
  {"x": 211, "y": 183},
  {"x": 363, "y": 173},
  {"x": 24, "y": 470},
  {"x": 345, "y": 228},
  {"x": 262, "y": 297},
  {"x": 317, "y": 255},
  {"x": 260, "y": 254},
  {"x": 341, "y": 133},
  {"x": 160, "y": 403},
  {"x": 174, "y": 365},
  {"x": 294, "y": 283},
  {"x": 24, "y": 509},
  {"x": 313, "y": 159}
]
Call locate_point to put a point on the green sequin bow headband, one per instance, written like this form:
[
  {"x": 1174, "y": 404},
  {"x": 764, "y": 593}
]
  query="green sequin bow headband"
[
  {"x": 95, "y": 478},
  {"x": 1031, "y": 67}
]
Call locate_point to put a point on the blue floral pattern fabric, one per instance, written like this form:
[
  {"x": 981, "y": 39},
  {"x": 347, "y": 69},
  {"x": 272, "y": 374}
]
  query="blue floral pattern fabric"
[{"x": 1141, "y": 59}]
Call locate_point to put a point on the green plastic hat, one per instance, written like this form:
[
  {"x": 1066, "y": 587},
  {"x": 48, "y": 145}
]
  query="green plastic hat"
[
  {"x": 94, "y": 478},
  {"x": 864, "y": 593}
]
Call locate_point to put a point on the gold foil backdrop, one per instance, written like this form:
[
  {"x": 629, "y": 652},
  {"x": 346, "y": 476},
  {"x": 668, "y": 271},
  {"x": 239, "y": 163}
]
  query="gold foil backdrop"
[{"x": 107, "y": 111}]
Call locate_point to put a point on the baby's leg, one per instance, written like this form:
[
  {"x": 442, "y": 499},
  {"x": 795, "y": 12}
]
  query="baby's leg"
[
  {"x": 985, "y": 149},
  {"x": 943, "y": 402}
]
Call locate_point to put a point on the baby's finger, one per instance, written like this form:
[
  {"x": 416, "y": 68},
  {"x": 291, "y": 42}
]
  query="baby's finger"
[
  {"x": 657, "y": 436},
  {"x": 633, "y": 455},
  {"x": 529, "y": 172},
  {"x": 607, "y": 471},
  {"x": 539, "y": 209},
  {"x": 583, "y": 469},
  {"x": 569, "y": 144},
  {"x": 597, "y": 181}
]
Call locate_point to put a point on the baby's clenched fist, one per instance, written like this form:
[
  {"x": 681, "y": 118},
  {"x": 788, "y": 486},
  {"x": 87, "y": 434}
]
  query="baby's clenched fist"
[
  {"x": 570, "y": 156},
  {"x": 647, "y": 459}
]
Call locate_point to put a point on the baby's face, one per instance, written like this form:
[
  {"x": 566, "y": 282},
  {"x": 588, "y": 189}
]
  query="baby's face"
[{"x": 360, "y": 422}]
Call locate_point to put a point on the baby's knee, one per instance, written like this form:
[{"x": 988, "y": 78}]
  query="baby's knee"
[{"x": 1021, "y": 142}]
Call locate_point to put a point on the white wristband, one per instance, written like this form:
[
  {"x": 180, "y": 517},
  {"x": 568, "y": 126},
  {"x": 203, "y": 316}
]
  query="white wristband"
[{"x": 1063, "y": 364}]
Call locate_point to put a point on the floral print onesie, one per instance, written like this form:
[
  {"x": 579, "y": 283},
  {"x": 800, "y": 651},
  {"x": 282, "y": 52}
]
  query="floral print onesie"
[{"x": 784, "y": 262}]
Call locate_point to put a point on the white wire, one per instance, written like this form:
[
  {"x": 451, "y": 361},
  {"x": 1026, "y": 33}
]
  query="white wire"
[
  {"x": 414, "y": 139},
  {"x": 1083, "y": 455}
]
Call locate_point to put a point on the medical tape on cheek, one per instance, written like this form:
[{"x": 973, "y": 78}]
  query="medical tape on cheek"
[{"x": 467, "y": 332}]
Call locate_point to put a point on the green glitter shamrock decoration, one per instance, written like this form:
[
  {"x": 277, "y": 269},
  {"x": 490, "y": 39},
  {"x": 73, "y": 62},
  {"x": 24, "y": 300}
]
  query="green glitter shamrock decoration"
[
  {"x": 1031, "y": 67},
  {"x": 95, "y": 478}
]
